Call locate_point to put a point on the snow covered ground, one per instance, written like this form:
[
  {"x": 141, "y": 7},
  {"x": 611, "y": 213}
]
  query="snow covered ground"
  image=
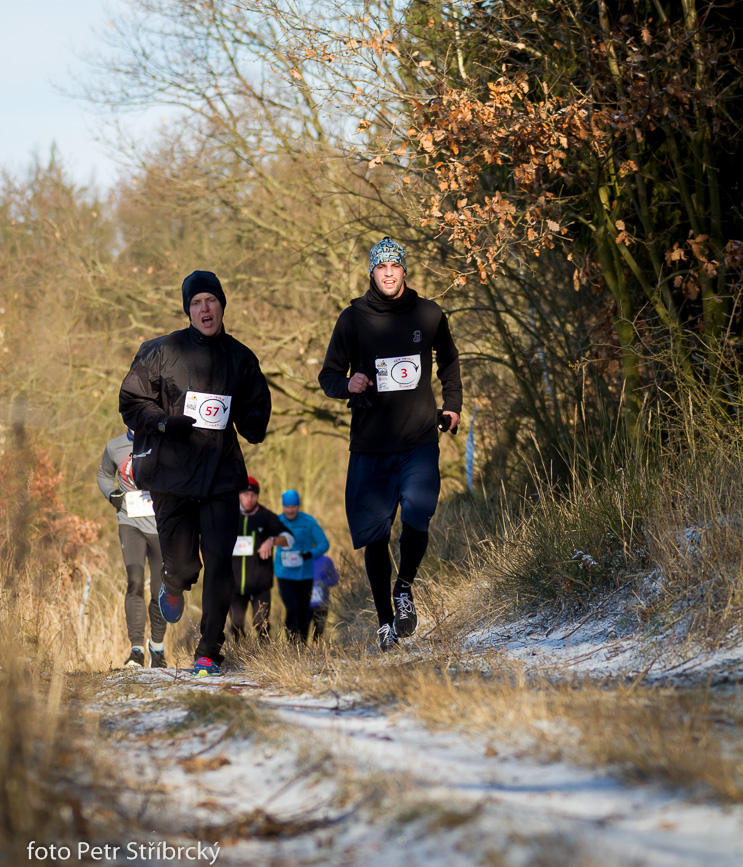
[
  {"x": 607, "y": 643},
  {"x": 331, "y": 781}
]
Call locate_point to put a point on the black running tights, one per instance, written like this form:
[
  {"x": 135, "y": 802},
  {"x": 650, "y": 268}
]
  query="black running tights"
[{"x": 413, "y": 544}]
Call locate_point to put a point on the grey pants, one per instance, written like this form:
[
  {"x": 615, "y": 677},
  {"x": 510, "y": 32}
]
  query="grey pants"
[{"x": 138, "y": 547}]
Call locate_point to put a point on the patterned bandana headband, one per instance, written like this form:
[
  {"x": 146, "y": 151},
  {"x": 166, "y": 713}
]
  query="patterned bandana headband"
[{"x": 387, "y": 250}]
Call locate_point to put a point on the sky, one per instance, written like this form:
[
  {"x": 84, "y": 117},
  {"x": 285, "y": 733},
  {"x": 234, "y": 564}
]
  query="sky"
[{"x": 43, "y": 42}]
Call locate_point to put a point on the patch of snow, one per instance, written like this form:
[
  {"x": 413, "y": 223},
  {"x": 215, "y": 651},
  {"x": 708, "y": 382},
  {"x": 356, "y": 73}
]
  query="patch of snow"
[
  {"x": 442, "y": 798},
  {"x": 610, "y": 642}
]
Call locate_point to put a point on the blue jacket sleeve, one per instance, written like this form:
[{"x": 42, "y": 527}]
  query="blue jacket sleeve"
[{"x": 319, "y": 539}]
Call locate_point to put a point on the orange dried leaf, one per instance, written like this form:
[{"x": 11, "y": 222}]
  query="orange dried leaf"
[{"x": 427, "y": 142}]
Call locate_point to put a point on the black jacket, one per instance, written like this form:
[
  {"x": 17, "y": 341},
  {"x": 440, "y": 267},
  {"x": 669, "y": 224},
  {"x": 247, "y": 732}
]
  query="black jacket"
[
  {"x": 386, "y": 422},
  {"x": 210, "y": 461},
  {"x": 253, "y": 575}
]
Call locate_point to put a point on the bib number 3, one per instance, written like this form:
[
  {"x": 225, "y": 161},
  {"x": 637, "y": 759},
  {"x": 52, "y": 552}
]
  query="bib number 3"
[{"x": 398, "y": 374}]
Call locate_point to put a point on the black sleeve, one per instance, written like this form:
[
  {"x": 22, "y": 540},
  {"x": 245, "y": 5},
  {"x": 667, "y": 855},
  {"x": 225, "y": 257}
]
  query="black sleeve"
[
  {"x": 282, "y": 530},
  {"x": 252, "y": 411},
  {"x": 447, "y": 367},
  {"x": 139, "y": 396},
  {"x": 333, "y": 377}
]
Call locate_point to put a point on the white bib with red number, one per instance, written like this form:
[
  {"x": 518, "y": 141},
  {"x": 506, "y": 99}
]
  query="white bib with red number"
[
  {"x": 398, "y": 374},
  {"x": 211, "y": 411},
  {"x": 243, "y": 547},
  {"x": 291, "y": 559},
  {"x": 139, "y": 504}
]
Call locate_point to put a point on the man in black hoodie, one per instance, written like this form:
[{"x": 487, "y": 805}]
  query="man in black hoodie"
[
  {"x": 184, "y": 396},
  {"x": 387, "y": 341}
]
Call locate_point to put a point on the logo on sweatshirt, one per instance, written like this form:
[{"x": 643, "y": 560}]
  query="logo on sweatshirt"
[
  {"x": 125, "y": 471},
  {"x": 417, "y": 337}
]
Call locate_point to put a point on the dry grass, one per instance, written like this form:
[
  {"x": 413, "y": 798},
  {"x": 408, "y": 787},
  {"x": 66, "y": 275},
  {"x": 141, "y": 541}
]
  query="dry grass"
[
  {"x": 675, "y": 511},
  {"x": 239, "y": 716},
  {"x": 647, "y": 735},
  {"x": 57, "y": 606},
  {"x": 696, "y": 540},
  {"x": 669, "y": 736},
  {"x": 54, "y": 785}
]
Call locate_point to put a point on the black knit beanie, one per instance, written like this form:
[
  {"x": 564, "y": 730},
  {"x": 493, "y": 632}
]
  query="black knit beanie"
[{"x": 201, "y": 281}]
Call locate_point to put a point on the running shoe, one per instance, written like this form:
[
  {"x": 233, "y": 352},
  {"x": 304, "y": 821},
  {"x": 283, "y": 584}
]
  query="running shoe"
[
  {"x": 406, "y": 618},
  {"x": 136, "y": 658},
  {"x": 205, "y": 667},
  {"x": 171, "y": 606},
  {"x": 386, "y": 637},
  {"x": 157, "y": 657}
]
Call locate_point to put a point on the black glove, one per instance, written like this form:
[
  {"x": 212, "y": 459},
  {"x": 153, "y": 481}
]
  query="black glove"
[
  {"x": 306, "y": 555},
  {"x": 177, "y": 427},
  {"x": 443, "y": 422},
  {"x": 363, "y": 399},
  {"x": 116, "y": 498},
  {"x": 360, "y": 401}
]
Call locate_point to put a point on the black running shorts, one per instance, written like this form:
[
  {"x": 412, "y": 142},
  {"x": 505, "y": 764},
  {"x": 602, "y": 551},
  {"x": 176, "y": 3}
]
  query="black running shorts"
[{"x": 377, "y": 484}]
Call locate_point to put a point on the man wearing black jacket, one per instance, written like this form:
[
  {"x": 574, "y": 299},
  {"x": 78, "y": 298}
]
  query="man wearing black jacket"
[
  {"x": 387, "y": 341},
  {"x": 184, "y": 396},
  {"x": 252, "y": 562}
]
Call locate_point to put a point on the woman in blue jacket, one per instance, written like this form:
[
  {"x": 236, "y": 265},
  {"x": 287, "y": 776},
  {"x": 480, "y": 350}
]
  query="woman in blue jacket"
[{"x": 294, "y": 568}]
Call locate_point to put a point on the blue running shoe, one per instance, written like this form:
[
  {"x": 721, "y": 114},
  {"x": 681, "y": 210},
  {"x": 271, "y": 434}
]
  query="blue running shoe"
[
  {"x": 157, "y": 657},
  {"x": 205, "y": 667},
  {"x": 136, "y": 658},
  {"x": 171, "y": 607}
]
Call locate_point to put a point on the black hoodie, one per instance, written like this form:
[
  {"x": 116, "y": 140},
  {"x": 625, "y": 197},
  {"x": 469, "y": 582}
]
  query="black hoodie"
[{"x": 392, "y": 343}]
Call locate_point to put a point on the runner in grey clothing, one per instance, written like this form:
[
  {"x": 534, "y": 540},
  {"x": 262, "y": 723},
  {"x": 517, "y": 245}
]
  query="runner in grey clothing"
[{"x": 139, "y": 542}]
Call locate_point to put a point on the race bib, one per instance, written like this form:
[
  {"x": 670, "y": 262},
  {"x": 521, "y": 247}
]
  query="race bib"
[
  {"x": 243, "y": 546},
  {"x": 139, "y": 504},
  {"x": 291, "y": 559},
  {"x": 398, "y": 374},
  {"x": 211, "y": 411},
  {"x": 316, "y": 599}
]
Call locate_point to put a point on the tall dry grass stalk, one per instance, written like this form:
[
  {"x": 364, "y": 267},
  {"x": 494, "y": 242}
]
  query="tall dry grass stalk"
[
  {"x": 55, "y": 617},
  {"x": 49, "y": 769},
  {"x": 670, "y": 505}
]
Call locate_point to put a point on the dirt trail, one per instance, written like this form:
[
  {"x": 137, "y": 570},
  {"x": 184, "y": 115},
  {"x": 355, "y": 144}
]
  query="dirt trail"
[{"x": 317, "y": 781}]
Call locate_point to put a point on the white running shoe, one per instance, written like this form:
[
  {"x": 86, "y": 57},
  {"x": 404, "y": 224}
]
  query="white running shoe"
[
  {"x": 386, "y": 637},
  {"x": 406, "y": 618}
]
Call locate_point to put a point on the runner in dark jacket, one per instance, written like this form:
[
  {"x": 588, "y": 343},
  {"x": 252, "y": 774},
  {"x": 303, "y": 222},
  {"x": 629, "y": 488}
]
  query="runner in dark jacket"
[
  {"x": 380, "y": 359},
  {"x": 184, "y": 396},
  {"x": 259, "y": 531}
]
